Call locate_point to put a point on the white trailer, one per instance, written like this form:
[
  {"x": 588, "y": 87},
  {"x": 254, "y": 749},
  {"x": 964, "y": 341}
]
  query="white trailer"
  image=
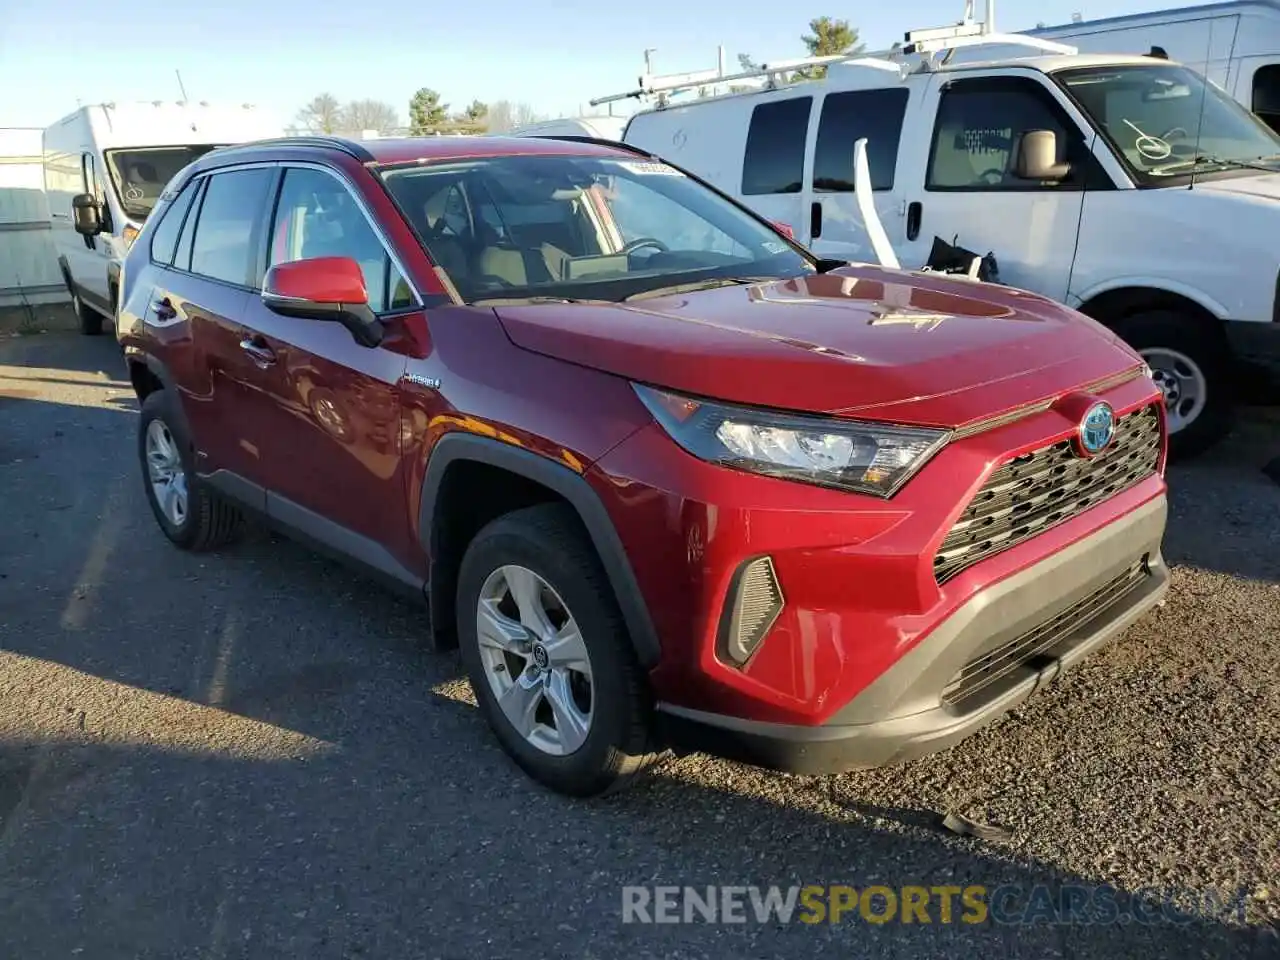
[
  {"x": 28, "y": 266},
  {"x": 105, "y": 166}
]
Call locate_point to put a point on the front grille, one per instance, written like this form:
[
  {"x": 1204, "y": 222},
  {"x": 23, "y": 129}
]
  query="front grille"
[
  {"x": 982, "y": 671},
  {"x": 1049, "y": 486}
]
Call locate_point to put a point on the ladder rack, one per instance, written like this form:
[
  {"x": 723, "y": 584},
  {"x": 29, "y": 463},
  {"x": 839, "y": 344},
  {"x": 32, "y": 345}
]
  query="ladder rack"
[{"x": 923, "y": 43}]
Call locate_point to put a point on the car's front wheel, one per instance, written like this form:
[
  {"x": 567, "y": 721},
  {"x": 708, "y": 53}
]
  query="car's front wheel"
[
  {"x": 191, "y": 514},
  {"x": 548, "y": 654}
]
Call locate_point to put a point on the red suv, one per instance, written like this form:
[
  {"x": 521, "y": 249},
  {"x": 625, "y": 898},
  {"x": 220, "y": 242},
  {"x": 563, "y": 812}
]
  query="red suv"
[{"x": 669, "y": 480}]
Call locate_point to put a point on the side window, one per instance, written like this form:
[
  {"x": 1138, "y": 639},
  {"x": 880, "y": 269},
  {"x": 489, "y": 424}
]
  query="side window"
[
  {"x": 1266, "y": 95},
  {"x": 847, "y": 118},
  {"x": 93, "y": 186},
  {"x": 979, "y": 125},
  {"x": 317, "y": 216},
  {"x": 164, "y": 239},
  {"x": 774, "y": 158},
  {"x": 225, "y": 233},
  {"x": 182, "y": 255}
]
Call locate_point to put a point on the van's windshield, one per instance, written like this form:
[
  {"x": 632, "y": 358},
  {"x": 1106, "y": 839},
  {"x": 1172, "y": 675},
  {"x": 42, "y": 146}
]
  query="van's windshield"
[
  {"x": 1167, "y": 121},
  {"x": 581, "y": 227},
  {"x": 139, "y": 174}
]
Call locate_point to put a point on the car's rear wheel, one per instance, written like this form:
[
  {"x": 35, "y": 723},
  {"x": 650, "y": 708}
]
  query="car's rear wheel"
[
  {"x": 191, "y": 514},
  {"x": 548, "y": 654}
]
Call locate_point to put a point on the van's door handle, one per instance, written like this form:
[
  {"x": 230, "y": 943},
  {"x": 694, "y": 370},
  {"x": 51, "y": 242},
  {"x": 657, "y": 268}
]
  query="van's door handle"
[
  {"x": 915, "y": 213},
  {"x": 815, "y": 220},
  {"x": 262, "y": 355},
  {"x": 164, "y": 309}
]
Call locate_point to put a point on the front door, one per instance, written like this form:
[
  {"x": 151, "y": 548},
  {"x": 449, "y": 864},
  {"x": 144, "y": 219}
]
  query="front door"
[
  {"x": 963, "y": 187},
  {"x": 332, "y": 444}
]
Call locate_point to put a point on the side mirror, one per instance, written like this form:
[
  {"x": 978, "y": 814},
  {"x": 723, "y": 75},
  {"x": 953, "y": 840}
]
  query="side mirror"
[
  {"x": 784, "y": 228},
  {"x": 324, "y": 288},
  {"x": 86, "y": 215},
  {"x": 1038, "y": 157}
]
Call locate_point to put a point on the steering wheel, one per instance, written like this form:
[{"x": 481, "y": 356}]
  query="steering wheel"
[
  {"x": 639, "y": 243},
  {"x": 1180, "y": 132},
  {"x": 994, "y": 177},
  {"x": 490, "y": 278}
]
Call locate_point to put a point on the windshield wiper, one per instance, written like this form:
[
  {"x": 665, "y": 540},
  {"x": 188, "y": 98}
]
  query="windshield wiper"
[
  {"x": 696, "y": 285},
  {"x": 1211, "y": 161},
  {"x": 521, "y": 301}
]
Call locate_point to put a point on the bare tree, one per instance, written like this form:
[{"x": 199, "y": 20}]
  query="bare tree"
[
  {"x": 322, "y": 115},
  {"x": 505, "y": 116},
  {"x": 361, "y": 115}
]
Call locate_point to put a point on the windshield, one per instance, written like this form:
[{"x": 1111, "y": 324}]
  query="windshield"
[
  {"x": 139, "y": 174},
  {"x": 580, "y": 227},
  {"x": 1167, "y": 121}
]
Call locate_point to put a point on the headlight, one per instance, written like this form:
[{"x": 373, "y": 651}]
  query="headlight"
[{"x": 848, "y": 455}]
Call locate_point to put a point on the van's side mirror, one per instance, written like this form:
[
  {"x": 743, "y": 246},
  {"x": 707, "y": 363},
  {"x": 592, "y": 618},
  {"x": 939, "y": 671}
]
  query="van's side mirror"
[
  {"x": 324, "y": 288},
  {"x": 1038, "y": 157},
  {"x": 86, "y": 215}
]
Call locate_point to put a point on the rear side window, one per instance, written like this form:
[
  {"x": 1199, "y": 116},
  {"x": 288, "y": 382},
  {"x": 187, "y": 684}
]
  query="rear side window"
[
  {"x": 225, "y": 234},
  {"x": 164, "y": 239},
  {"x": 848, "y": 117},
  {"x": 774, "y": 160},
  {"x": 1266, "y": 95}
]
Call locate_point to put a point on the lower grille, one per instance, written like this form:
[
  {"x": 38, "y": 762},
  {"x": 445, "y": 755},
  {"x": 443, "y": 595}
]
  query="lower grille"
[
  {"x": 1039, "y": 490},
  {"x": 982, "y": 671}
]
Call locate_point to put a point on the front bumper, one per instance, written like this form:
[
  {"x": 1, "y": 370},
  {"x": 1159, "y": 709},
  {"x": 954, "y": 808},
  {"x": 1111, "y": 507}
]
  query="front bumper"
[{"x": 1031, "y": 626}]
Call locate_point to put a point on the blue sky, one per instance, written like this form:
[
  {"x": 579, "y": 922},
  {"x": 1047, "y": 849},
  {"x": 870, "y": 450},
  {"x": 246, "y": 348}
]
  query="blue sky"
[{"x": 555, "y": 55}]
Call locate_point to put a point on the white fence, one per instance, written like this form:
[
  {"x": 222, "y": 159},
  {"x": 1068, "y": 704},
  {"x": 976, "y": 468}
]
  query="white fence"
[{"x": 28, "y": 264}]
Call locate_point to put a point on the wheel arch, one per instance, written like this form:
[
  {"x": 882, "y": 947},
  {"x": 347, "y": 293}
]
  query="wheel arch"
[
  {"x": 1115, "y": 303},
  {"x": 533, "y": 478}
]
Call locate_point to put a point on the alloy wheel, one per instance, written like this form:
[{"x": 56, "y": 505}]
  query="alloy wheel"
[{"x": 165, "y": 472}]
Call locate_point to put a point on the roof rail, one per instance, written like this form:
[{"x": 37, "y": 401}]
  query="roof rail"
[
  {"x": 923, "y": 43},
  {"x": 351, "y": 148}
]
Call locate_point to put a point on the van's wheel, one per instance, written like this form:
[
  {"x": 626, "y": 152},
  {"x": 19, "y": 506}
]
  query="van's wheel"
[
  {"x": 90, "y": 319},
  {"x": 191, "y": 514},
  {"x": 1191, "y": 364},
  {"x": 548, "y": 654}
]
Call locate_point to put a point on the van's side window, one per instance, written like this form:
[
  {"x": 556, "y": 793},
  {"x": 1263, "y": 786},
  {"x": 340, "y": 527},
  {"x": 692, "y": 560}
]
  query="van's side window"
[
  {"x": 774, "y": 159},
  {"x": 223, "y": 248},
  {"x": 979, "y": 126},
  {"x": 1266, "y": 95},
  {"x": 165, "y": 238},
  {"x": 93, "y": 187},
  {"x": 848, "y": 117}
]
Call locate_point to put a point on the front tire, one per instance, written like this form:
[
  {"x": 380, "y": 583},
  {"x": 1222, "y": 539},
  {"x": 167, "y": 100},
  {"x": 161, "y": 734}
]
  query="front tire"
[
  {"x": 1192, "y": 365},
  {"x": 90, "y": 319},
  {"x": 548, "y": 654},
  {"x": 191, "y": 514}
]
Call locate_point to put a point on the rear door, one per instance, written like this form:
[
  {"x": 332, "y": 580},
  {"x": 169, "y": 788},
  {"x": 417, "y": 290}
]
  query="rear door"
[
  {"x": 846, "y": 116},
  {"x": 198, "y": 308},
  {"x": 331, "y": 405}
]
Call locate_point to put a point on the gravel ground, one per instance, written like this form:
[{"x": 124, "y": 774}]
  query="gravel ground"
[{"x": 249, "y": 754}]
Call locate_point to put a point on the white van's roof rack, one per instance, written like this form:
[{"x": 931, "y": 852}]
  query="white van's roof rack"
[{"x": 967, "y": 33}]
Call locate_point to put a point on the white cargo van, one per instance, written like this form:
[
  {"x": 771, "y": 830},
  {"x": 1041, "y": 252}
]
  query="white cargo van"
[
  {"x": 1123, "y": 186},
  {"x": 597, "y": 128},
  {"x": 104, "y": 168},
  {"x": 1235, "y": 44}
]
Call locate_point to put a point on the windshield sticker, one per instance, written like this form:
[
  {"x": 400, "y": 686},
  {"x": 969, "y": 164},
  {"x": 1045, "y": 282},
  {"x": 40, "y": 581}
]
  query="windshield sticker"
[
  {"x": 649, "y": 169},
  {"x": 773, "y": 247},
  {"x": 1153, "y": 148}
]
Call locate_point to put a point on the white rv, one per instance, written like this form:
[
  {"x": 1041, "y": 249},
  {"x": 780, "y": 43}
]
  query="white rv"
[
  {"x": 1235, "y": 44},
  {"x": 104, "y": 168},
  {"x": 1123, "y": 186}
]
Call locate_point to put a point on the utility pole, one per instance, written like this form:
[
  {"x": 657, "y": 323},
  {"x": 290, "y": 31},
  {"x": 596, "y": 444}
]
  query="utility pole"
[{"x": 181, "y": 86}]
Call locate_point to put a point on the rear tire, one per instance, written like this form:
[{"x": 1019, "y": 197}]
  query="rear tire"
[
  {"x": 1192, "y": 364},
  {"x": 191, "y": 514},
  {"x": 579, "y": 752}
]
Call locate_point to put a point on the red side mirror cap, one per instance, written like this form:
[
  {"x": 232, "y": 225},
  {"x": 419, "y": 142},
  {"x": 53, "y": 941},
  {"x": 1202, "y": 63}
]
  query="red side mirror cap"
[
  {"x": 318, "y": 280},
  {"x": 784, "y": 229}
]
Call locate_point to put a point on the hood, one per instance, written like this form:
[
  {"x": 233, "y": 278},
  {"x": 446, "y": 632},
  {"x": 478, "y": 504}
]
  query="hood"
[
  {"x": 860, "y": 342},
  {"x": 1261, "y": 186}
]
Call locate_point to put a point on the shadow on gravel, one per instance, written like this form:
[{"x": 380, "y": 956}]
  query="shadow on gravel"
[{"x": 240, "y": 755}]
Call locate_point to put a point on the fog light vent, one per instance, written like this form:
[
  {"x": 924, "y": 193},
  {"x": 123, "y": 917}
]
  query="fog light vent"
[{"x": 755, "y": 601}]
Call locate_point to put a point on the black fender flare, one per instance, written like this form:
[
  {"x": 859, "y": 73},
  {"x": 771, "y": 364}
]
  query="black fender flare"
[
  {"x": 64, "y": 265},
  {"x": 113, "y": 283},
  {"x": 132, "y": 356},
  {"x": 574, "y": 488}
]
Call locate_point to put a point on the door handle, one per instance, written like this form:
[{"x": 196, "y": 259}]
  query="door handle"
[
  {"x": 815, "y": 220},
  {"x": 262, "y": 355},
  {"x": 164, "y": 309},
  {"x": 915, "y": 213}
]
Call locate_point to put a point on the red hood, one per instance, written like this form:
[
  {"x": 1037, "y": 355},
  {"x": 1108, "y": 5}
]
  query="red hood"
[{"x": 860, "y": 341}]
